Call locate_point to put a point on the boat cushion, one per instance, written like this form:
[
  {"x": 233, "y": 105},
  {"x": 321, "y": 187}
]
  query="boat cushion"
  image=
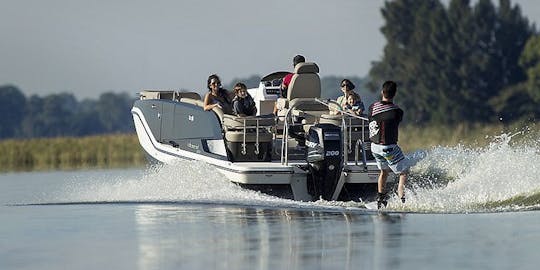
[
  {"x": 306, "y": 67},
  {"x": 191, "y": 95},
  {"x": 305, "y": 82},
  {"x": 330, "y": 119},
  {"x": 192, "y": 101}
]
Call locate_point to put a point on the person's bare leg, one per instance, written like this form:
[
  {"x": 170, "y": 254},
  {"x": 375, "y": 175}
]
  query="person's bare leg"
[
  {"x": 381, "y": 195},
  {"x": 401, "y": 185},
  {"x": 381, "y": 183}
]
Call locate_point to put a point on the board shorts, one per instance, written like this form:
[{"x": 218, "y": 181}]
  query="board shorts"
[{"x": 390, "y": 157}]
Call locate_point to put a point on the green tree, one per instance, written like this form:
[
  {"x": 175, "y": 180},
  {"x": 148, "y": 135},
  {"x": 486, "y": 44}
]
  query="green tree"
[
  {"x": 448, "y": 62},
  {"x": 12, "y": 102},
  {"x": 515, "y": 103},
  {"x": 530, "y": 62},
  {"x": 57, "y": 113},
  {"x": 409, "y": 58},
  {"x": 33, "y": 126},
  {"x": 86, "y": 120},
  {"x": 114, "y": 111}
]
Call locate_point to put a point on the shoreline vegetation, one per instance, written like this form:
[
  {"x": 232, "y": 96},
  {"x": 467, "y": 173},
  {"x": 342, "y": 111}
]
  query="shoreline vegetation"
[
  {"x": 124, "y": 151},
  {"x": 71, "y": 153}
]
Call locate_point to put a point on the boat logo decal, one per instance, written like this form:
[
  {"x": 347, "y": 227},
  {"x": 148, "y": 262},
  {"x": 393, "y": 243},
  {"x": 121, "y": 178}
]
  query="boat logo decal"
[
  {"x": 311, "y": 144},
  {"x": 332, "y": 153}
]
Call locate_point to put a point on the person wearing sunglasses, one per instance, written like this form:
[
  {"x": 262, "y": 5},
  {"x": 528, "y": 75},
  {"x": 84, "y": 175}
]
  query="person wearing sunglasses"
[
  {"x": 243, "y": 104},
  {"x": 217, "y": 96}
]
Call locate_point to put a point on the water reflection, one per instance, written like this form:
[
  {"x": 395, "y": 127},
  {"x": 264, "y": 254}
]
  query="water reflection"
[{"x": 199, "y": 236}]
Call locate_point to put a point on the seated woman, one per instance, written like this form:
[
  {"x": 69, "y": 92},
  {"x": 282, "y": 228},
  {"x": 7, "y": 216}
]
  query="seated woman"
[
  {"x": 216, "y": 96},
  {"x": 243, "y": 104},
  {"x": 354, "y": 105}
]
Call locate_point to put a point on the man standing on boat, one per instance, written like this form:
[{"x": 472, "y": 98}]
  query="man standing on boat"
[{"x": 384, "y": 119}]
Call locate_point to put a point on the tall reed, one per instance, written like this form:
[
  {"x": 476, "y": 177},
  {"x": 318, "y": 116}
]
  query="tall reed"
[{"x": 104, "y": 151}]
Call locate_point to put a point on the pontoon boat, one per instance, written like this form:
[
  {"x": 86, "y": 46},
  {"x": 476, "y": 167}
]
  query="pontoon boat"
[{"x": 307, "y": 154}]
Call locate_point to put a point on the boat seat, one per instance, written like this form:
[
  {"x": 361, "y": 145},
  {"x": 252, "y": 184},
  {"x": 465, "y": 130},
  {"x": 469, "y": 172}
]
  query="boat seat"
[
  {"x": 156, "y": 94},
  {"x": 191, "y": 95},
  {"x": 331, "y": 119},
  {"x": 192, "y": 101},
  {"x": 251, "y": 137},
  {"x": 232, "y": 122},
  {"x": 305, "y": 82},
  {"x": 307, "y": 111}
]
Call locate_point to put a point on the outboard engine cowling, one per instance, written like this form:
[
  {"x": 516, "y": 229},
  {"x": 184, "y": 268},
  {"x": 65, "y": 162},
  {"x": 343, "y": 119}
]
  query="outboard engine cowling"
[{"x": 325, "y": 159}]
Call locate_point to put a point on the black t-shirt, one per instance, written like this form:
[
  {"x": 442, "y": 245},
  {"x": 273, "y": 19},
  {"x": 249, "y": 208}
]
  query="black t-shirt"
[{"x": 384, "y": 119}]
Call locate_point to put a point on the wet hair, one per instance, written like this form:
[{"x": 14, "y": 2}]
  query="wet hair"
[
  {"x": 215, "y": 77},
  {"x": 349, "y": 84},
  {"x": 389, "y": 89},
  {"x": 298, "y": 59},
  {"x": 239, "y": 85}
]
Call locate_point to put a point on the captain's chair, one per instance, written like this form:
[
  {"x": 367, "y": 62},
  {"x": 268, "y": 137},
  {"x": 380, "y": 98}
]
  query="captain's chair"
[{"x": 305, "y": 82}]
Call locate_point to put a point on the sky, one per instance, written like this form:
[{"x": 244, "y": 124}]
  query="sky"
[{"x": 91, "y": 47}]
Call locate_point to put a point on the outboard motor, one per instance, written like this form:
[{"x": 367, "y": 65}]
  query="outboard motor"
[{"x": 325, "y": 159}]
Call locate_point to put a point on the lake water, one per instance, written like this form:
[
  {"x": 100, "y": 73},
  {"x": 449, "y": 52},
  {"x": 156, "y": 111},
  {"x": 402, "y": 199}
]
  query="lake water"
[{"x": 466, "y": 209}]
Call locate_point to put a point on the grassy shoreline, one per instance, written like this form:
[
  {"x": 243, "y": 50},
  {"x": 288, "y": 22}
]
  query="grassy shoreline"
[
  {"x": 123, "y": 150},
  {"x": 68, "y": 153}
]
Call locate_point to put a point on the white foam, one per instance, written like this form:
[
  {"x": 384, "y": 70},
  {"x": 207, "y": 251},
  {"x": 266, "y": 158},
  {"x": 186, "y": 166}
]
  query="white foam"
[{"x": 475, "y": 177}]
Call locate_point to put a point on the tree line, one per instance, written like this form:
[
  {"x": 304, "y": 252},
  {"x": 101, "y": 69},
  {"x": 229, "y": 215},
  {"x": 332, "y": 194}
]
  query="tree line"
[
  {"x": 461, "y": 62},
  {"x": 62, "y": 114}
]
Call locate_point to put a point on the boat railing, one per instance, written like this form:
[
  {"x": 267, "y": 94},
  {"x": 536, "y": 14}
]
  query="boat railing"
[
  {"x": 347, "y": 133},
  {"x": 360, "y": 143},
  {"x": 250, "y": 125},
  {"x": 243, "y": 151},
  {"x": 346, "y": 129}
]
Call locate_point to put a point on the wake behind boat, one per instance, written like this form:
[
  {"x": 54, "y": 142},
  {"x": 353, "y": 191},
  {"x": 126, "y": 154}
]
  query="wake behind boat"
[{"x": 306, "y": 154}]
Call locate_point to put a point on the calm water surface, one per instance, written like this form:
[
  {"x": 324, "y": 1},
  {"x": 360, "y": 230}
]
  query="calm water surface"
[{"x": 190, "y": 218}]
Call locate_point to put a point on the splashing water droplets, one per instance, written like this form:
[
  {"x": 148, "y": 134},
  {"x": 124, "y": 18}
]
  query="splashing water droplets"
[{"x": 477, "y": 180}]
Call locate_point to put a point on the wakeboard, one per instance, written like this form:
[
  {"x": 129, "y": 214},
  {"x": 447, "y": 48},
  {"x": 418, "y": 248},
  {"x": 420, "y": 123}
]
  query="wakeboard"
[{"x": 372, "y": 205}]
